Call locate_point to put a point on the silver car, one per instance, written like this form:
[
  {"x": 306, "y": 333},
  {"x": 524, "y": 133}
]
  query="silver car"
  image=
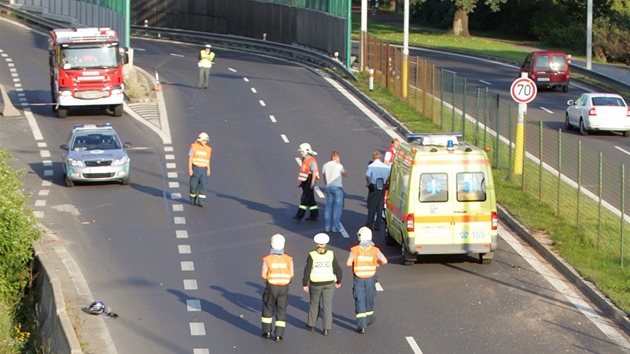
[
  {"x": 598, "y": 112},
  {"x": 94, "y": 153}
]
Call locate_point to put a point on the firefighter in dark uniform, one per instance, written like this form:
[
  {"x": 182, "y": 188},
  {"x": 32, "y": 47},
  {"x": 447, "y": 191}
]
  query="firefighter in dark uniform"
[
  {"x": 309, "y": 173},
  {"x": 277, "y": 270}
]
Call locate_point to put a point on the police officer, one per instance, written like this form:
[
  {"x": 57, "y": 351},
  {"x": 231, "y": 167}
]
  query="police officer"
[
  {"x": 199, "y": 157},
  {"x": 364, "y": 258},
  {"x": 322, "y": 275},
  {"x": 376, "y": 178},
  {"x": 309, "y": 173},
  {"x": 206, "y": 59},
  {"x": 277, "y": 270}
]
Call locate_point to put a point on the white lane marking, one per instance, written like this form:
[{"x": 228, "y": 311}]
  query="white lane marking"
[
  {"x": 171, "y": 165},
  {"x": 37, "y": 134},
  {"x": 254, "y": 90},
  {"x": 179, "y": 220},
  {"x": 232, "y": 70},
  {"x": 38, "y": 214},
  {"x": 546, "y": 110},
  {"x": 272, "y": 118},
  {"x": 46, "y": 183},
  {"x": 44, "y": 192},
  {"x": 173, "y": 184},
  {"x": 176, "y": 196},
  {"x": 42, "y": 145},
  {"x": 565, "y": 290},
  {"x": 262, "y": 103},
  {"x": 187, "y": 266},
  {"x": 177, "y": 55},
  {"x": 284, "y": 138},
  {"x": 171, "y": 174},
  {"x": 414, "y": 346},
  {"x": 197, "y": 329},
  {"x": 193, "y": 305},
  {"x": 44, "y": 153},
  {"x": 246, "y": 79},
  {"x": 201, "y": 351},
  {"x": 622, "y": 150},
  {"x": 168, "y": 149},
  {"x": 139, "y": 49},
  {"x": 183, "y": 249},
  {"x": 48, "y": 173},
  {"x": 344, "y": 233},
  {"x": 181, "y": 233},
  {"x": 40, "y": 202},
  {"x": 190, "y": 284},
  {"x": 379, "y": 287},
  {"x": 169, "y": 157},
  {"x": 178, "y": 207},
  {"x": 485, "y": 82},
  {"x": 299, "y": 162},
  {"x": 319, "y": 192}
]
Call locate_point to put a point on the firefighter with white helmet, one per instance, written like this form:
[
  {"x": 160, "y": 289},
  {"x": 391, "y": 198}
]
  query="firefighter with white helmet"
[
  {"x": 364, "y": 258},
  {"x": 322, "y": 275},
  {"x": 277, "y": 271},
  {"x": 199, "y": 157},
  {"x": 309, "y": 173}
]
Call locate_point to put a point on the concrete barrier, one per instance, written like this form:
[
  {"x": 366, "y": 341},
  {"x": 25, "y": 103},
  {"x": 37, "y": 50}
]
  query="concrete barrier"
[{"x": 8, "y": 109}]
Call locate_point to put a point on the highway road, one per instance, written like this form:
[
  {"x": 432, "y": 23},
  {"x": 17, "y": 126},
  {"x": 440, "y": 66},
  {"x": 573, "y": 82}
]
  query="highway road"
[{"x": 187, "y": 280}]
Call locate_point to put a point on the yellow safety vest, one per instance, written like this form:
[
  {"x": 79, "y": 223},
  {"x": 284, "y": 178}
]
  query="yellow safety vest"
[
  {"x": 206, "y": 59},
  {"x": 322, "y": 267}
]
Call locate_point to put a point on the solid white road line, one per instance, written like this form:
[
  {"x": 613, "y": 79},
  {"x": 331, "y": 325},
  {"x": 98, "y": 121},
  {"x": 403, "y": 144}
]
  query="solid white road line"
[
  {"x": 622, "y": 150},
  {"x": 414, "y": 346}
]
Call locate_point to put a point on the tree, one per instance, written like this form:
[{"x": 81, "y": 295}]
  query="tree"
[{"x": 462, "y": 10}]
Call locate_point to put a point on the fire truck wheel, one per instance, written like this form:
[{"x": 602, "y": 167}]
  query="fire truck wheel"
[
  {"x": 118, "y": 110},
  {"x": 62, "y": 112}
]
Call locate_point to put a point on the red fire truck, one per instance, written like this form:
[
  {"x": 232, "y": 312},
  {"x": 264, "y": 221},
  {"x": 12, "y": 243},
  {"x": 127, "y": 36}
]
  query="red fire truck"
[{"x": 85, "y": 70}]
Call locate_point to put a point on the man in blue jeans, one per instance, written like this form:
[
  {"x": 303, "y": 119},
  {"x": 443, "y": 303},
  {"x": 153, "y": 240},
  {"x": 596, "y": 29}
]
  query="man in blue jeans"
[{"x": 333, "y": 172}]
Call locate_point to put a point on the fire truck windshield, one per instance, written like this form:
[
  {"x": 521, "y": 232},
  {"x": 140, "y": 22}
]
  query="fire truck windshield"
[{"x": 90, "y": 57}]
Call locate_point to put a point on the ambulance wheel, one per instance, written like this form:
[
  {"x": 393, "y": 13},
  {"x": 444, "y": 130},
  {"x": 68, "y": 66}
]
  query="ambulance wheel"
[
  {"x": 389, "y": 240},
  {"x": 407, "y": 259},
  {"x": 486, "y": 258},
  {"x": 118, "y": 110}
]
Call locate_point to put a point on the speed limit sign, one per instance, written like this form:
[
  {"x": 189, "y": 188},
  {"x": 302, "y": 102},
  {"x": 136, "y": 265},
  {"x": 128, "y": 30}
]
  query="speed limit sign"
[{"x": 523, "y": 90}]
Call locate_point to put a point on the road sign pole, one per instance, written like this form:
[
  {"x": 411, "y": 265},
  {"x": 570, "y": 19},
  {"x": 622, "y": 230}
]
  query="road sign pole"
[
  {"x": 523, "y": 90},
  {"x": 519, "y": 143}
]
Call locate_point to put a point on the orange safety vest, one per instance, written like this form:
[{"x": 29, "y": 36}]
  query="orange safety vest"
[
  {"x": 278, "y": 268},
  {"x": 364, "y": 265},
  {"x": 304, "y": 169},
  {"x": 201, "y": 154}
]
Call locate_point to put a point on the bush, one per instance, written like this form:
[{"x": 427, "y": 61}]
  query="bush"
[
  {"x": 610, "y": 42},
  {"x": 17, "y": 233},
  {"x": 572, "y": 38}
]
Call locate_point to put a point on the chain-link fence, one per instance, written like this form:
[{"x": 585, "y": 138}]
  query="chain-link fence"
[{"x": 579, "y": 184}]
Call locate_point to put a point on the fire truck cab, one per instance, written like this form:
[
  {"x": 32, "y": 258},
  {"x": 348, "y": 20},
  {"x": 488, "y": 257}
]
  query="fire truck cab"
[{"x": 85, "y": 69}]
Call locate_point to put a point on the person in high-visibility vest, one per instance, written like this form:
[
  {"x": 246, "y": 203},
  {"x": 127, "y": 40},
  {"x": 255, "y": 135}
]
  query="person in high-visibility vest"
[
  {"x": 206, "y": 59},
  {"x": 322, "y": 275},
  {"x": 364, "y": 258},
  {"x": 199, "y": 157},
  {"x": 390, "y": 153},
  {"x": 277, "y": 270},
  {"x": 309, "y": 173}
]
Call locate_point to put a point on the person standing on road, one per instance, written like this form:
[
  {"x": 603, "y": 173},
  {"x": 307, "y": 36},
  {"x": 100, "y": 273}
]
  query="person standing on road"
[
  {"x": 333, "y": 173},
  {"x": 206, "y": 59},
  {"x": 376, "y": 178},
  {"x": 199, "y": 157},
  {"x": 364, "y": 258},
  {"x": 277, "y": 270},
  {"x": 309, "y": 173},
  {"x": 322, "y": 275},
  {"x": 390, "y": 153}
]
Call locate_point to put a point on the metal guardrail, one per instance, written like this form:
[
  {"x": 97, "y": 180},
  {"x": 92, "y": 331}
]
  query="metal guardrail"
[
  {"x": 600, "y": 77},
  {"x": 31, "y": 18},
  {"x": 246, "y": 44}
]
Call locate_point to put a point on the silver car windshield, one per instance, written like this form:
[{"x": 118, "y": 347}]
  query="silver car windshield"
[{"x": 95, "y": 142}]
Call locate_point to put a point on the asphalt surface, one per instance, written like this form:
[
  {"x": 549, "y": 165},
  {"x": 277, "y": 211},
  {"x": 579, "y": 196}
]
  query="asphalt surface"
[{"x": 137, "y": 239}]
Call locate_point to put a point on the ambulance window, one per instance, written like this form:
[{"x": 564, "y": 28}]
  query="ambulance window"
[
  {"x": 433, "y": 187},
  {"x": 471, "y": 187}
]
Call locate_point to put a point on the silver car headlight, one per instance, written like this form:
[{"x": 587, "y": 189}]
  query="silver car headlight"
[
  {"x": 75, "y": 163},
  {"x": 121, "y": 161}
]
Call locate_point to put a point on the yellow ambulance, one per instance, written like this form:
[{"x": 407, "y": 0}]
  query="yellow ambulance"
[{"x": 441, "y": 199}]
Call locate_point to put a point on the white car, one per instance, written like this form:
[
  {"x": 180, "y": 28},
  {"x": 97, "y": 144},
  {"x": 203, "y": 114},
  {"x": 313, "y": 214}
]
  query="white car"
[{"x": 598, "y": 112}]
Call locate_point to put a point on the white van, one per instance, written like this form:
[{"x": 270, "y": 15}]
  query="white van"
[{"x": 441, "y": 199}]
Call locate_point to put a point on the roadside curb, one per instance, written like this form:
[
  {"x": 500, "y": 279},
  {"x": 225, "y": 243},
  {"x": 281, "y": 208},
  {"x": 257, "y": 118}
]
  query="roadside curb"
[{"x": 586, "y": 287}]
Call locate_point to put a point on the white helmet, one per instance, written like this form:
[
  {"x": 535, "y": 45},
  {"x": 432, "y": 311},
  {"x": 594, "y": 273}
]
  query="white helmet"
[
  {"x": 203, "y": 136},
  {"x": 321, "y": 238},
  {"x": 306, "y": 148},
  {"x": 277, "y": 242},
  {"x": 364, "y": 234}
]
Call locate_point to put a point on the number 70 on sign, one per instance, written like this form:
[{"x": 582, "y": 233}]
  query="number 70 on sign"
[{"x": 523, "y": 90}]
